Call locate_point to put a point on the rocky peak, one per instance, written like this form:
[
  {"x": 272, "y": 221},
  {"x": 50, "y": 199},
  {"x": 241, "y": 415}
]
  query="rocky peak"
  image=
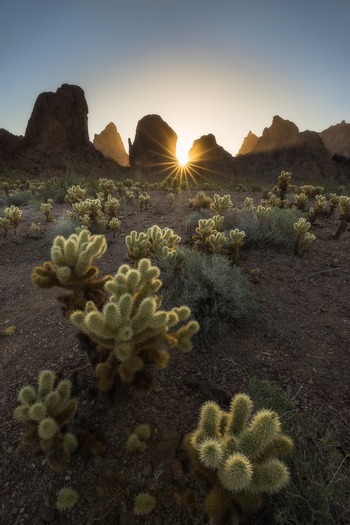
[
  {"x": 59, "y": 120},
  {"x": 337, "y": 139},
  {"x": 110, "y": 144},
  {"x": 249, "y": 142},
  {"x": 205, "y": 149},
  {"x": 281, "y": 134},
  {"x": 155, "y": 142}
]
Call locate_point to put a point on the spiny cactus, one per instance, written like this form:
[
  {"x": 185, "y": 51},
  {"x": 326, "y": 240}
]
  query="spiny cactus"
[
  {"x": 66, "y": 499},
  {"x": 205, "y": 228},
  {"x": 235, "y": 457},
  {"x": 156, "y": 243},
  {"x": 144, "y": 504},
  {"x": 171, "y": 199},
  {"x": 333, "y": 202},
  {"x": 217, "y": 242},
  {"x": 344, "y": 215},
  {"x": 46, "y": 208},
  {"x": 201, "y": 200},
  {"x": 248, "y": 202},
  {"x": 303, "y": 238},
  {"x": 235, "y": 241},
  {"x": 5, "y": 225},
  {"x": 111, "y": 206},
  {"x": 106, "y": 186},
  {"x": 283, "y": 183},
  {"x": 218, "y": 221},
  {"x": 48, "y": 411},
  {"x": 137, "y": 245},
  {"x": 320, "y": 205},
  {"x": 300, "y": 200},
  {"x": 221, "y": 204},
  {"x": 75, "y": 194},
  {"x": 310, "y": 190},
  {"x": 14, "y": 215},
  {"x": 72, "y": 268},
  {"x": 114, "y": 225},
  {"x": 136, "y": 440},
  {"x": 144, "y": 201},
  {"x": 262, "y": 212},
  {"x": 130, "y": 331}
]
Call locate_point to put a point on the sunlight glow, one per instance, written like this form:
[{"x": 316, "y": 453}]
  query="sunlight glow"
[{"x": 182, "y": 149}]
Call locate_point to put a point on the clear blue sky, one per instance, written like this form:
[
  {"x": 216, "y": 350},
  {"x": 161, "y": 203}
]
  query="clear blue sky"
[{"x": 223, "y": 67}]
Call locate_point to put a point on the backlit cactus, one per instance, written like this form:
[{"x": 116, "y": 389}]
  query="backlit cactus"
[
  {"x": 130, "y": 331},
  {"x": 283, "y": 183},
  {"x": 46, "y": 208},
  {"x": 14, "y": 215},
  {"x": 75, "y": 194},
  {"x": 72, "y": 268},
  {"x": 235, "y": 241},
  {"x": 137, "y": 245},
  {"x": 234, "y": 455},
  {"x": 111, "y": 206},
  {"x": 156, "y": 243},
  {"x": 217, "y": 242},
  {"x": 221, "y": 204},
  {"x": 47, "y": 411},
  {"x": 300, "y": 200},
  {"x": 5, "y": 225},
  {"x": 303, "y": 238},
  {"x": 144, "y": 201},
  {"x": 201, "y": 200},
  {"x": 344, "y": 215}
]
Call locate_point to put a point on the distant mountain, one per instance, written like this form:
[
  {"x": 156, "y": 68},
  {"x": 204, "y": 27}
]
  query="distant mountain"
[
  {"x": 337, "y": 139},
  {"x": 249, "y": 143},
  {"x": 110, "y": 144}
]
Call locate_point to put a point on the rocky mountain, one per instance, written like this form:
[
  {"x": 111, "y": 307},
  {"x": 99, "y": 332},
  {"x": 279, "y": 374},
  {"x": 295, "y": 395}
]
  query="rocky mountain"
[
  {"x": 249, "y": 142},
  {"x": 337, "y": 139},
  {"x": 110, "y": 144},
  {"x": 154, "y": 143}
]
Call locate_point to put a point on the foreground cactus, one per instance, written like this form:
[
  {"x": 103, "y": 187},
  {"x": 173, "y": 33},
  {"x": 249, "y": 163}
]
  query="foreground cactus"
[
  {"x": 14, "y": 215},
  {"x": 72, "y": 268},
  {"x": 303, "y": 238},
  {"x": 130, "y": 331},
  {"x": 157, "y": 242},
  {"x": 47, "y": 411},
  {"x": 235, "y": 458},
  {"x": 221, "y": 204},
  {"x": 344, "y": 215}
]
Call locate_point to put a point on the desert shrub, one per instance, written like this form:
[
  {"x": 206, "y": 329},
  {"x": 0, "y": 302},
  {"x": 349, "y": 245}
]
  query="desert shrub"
[
  {"x": 319, "y": 490},
  {"x": 216, "y": 292},
  {"x": 64, "y": 226},
  {"x": 191, "y": 221},
  {"x": 56, "y": 188},
  {"x": 20, "y": 198},
  {"x": 276, "y": 228}
]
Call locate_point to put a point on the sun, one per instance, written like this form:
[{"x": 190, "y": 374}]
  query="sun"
[{"x": 182, "y": 148}]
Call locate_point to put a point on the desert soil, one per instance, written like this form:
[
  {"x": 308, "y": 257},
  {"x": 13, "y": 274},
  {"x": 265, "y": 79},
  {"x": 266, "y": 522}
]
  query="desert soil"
[{"x": 299, "y": 340}]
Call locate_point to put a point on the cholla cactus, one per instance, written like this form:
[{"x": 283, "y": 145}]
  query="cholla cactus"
[
  {"x": 221, "y": 204},
  {"x": 14, "y": 215},
  {"x": 66, "y": 499},
  {"x": 248, "y": 202},
  {"x": 36, "y": 228},
  {"x": 218, "y": 242},
  {"x": 48, "y": 411},
  {"x": 303, "y": 238},
  {"x": 201, "y": 200},
  {"x": 46, "y": 208},
  {"x": 235, "y": 241},
  {"x": 75, "y": 194},
  {"x": 171, "y": 199},
  {"x": 205, "y": 228},
  {"x": 310, "y": 190},
  {"x": 143, "y": 201},
  {"x": 333, "y": 202},
  {"x": 274, "y": 201},
  {"x": 144, "y": 504},
  {"x": 283, "y": 182},
  {"x": 114, "y": 225},
  {"x": 72, "y": 268},
  {"x": 9, "y": 330},
  {"x": 344, "y": 215},
  {"x": 107, "y": 187},
  {"x": 262, "y": 211},
  {"x": 218, "y": 221},
  {"x": 130, "y": 331},
  {"x": 160, "y": 238},
  {"x": 136, "y": 440},
  {"x": 235, "y": 457},
  {"x": 300, "y": 200},
  {"x": 5, "y": 225},
  {"x": 320, "y": 205},
  {"x": 111, "y": 206},
  {"x": 137, "y": 245}
]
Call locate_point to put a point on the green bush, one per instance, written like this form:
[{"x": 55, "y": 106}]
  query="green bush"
[
  {"x": 20, "y": 198},
  {"x": 319, "y": 490},
  {"x": 63, "y": 226},
  {"x": 216, "y": 292}
]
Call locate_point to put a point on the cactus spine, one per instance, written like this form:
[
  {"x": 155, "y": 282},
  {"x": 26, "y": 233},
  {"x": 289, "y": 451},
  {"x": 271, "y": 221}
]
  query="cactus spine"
[
  {"x": 47, "y": 411},
  {"x": 235, "y": 457}
]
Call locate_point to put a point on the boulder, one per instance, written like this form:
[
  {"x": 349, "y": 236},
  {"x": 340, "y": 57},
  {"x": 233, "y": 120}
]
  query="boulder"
[
  {"x": 154, "y": 144},
  {"x": 337, "y": 139},
  {"x": 110, "y": 144},
  {"x": 58, "y": 121}
]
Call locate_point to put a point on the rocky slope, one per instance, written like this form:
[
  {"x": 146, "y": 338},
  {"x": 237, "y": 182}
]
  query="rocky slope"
[{"x": 110, "y": 144}]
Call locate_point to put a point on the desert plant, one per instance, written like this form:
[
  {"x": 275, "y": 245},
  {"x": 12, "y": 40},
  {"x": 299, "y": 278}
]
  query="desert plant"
[
  {"x": 114, "y": 225},
  {"x": 66, "y": 499},
  {"x": 106, "y": 187},
  {"x": 344, "y": 216},
  {"x": 47, "y": 411},
  {"x": 144, "y": 201},
  {"x": 221, "y": 204},
  {"x": 71, "y": 268},
  {"x": 300, "y": 200},
  {"x": 333, "y": 202},
  {"x": 14, "y": 215},
  {"x": 111, "y": 206},
  {"x": 283, "y": 182},
  {"x": 157, "y": 242},
  {"x": 144, "y": 504},
  {"x": 303, "y": 238},
  {"x": 5, "y": 224},
  {"x": 171, "y": 199},
  {"x": 75, "y": 194},
  {"x": 201, "y": 200},
  {"x": 9, "y": 330},
  {"x": 234, "y": 456},
  {"x": 130, "y": 331},
  {"x": 46, "y": 208},
  {"x": 136, "y": 440},
  {"x": 235, "y": 241}
]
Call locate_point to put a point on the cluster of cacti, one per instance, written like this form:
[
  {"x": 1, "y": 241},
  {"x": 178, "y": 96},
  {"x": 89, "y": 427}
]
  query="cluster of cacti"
[
  {"x": 137, "y": 440},
  {"x": 221, "y": 204},
  {"x": 201, "y": 200},
  {"x": 34, "y": 187},
  {"x": 156, "y": 243},
  {"x": 144, "y": 201},
  {"x": 46, "y": 208},
  {"x": 262, "y": 211},
  {"x": 75, "y": 194},
  {"x": 344, "y": 215},
  {"x": 209, "y": 239},
  {"x": 47, "y": 411},
  {"x": 303, "y": 238},
  {"x": 333, "y": 202},
  {"x": 283, "y": 182},
  {"x": 234, "y": 456},
  {"x": 71, "y": 267},
  {"x": 12, "y": 217},
  {"x": 273, "y": 201},
  {"x": 89, "y": 210},
  {"x": 111, "y": 206},
  {"x": 320, "y": 209},
  {"x": 107, "y": 187},
  {"x": 310, "y": 190},
  {"x": 130, "y": 331},
  {"x": 248, "y": 202}
]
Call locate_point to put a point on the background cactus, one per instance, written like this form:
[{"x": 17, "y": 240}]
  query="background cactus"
[
  {"x": 283, "y": 183},
  {"x": 14, "y": 215},
  {"x": 201, "y": 200},
  {"x": 344, "y": 215},
  {"x": 234, "y": 456},
  {"x": 303, "y": 238},
  {"x": 130, "y": 331},
  {"x": 48, "y": 411},
  {"x": 66, "y": 499},
  {"x": 72, "y": 268},
  {"x": 221, "y": 204}
]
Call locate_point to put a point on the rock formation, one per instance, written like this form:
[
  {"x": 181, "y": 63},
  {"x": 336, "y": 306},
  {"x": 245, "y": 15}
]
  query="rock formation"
[
  {"x": 337, "y": 139},
  {"x": 280, "y": 135},
  {"x": 206, "y": 150},
  {"x": 249, "y": 142},
  {"x": 110, "y": 144},
  {"x": 58, "y": 121},
  {"x": 154, "y": 144}
]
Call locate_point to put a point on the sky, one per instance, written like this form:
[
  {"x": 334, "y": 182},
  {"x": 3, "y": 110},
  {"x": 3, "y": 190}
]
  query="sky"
[{"x": 224, "y": 67}]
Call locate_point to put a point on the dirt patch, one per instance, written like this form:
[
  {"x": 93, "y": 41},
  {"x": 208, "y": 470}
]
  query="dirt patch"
[{"x": 299, "y": 340}]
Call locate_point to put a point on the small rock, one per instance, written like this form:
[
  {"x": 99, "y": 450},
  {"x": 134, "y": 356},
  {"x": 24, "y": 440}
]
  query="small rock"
[{"x": 46, "y": 514}]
